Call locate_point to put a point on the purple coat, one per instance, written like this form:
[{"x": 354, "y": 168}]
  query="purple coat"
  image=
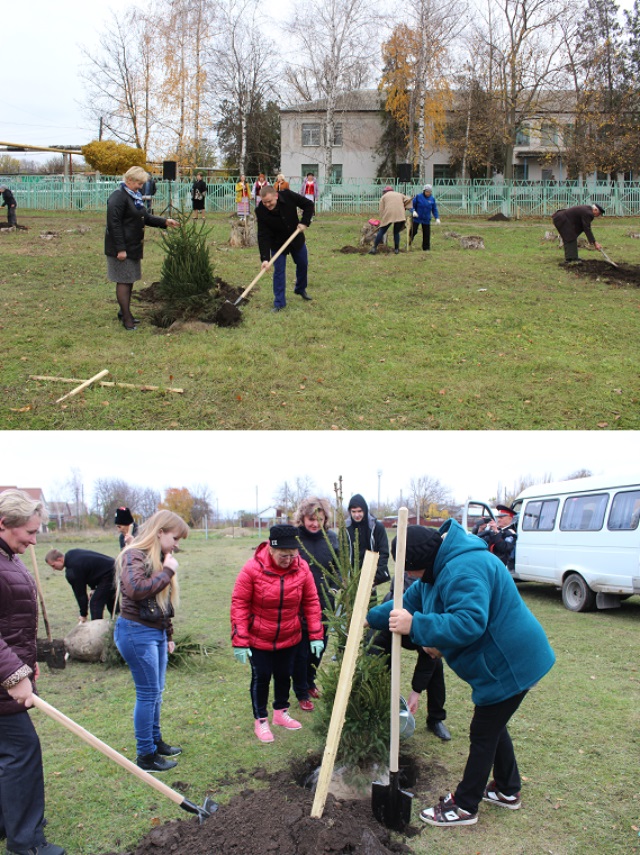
[{"x": 18, "y": 624}]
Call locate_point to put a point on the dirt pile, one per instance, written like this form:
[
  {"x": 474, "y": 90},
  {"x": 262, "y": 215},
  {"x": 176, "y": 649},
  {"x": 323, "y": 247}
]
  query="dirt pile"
[
  {"x": 275, "y": 820},
  {"x": 623, "y": 274}
]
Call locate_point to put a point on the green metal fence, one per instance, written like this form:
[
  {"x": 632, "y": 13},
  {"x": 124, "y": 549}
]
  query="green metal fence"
[{"x": 483, "y": 198}]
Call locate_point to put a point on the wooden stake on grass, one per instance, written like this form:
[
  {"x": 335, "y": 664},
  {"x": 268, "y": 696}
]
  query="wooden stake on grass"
[
  {"x": 84, "y": 385},
  {"x": 356, "y": 628},
  {"x": 111, "y": 383}
]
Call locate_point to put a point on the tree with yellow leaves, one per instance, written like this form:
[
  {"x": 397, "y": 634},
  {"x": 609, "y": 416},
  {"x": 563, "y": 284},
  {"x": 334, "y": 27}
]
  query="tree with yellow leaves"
[{"x": 180, "y": 501}]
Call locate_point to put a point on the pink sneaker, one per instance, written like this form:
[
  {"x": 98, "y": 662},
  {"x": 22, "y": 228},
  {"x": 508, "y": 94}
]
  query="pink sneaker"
[
  {"x": 262, "y": 730},
  {"x": 307, "y": 705},
  {"x": 283, "y": 718}
]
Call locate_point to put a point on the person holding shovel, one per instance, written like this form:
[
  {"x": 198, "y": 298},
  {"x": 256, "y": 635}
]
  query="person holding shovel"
[
  {"x": 277, "y": 218},
  {"x": 572, "y": 222},
  {"x": 467, "y": 607},
  {"x": 22, "y": 819},
  {"x": 392, "y": 208},
  {"x": 146, "y": 570},
  {"x": 9, "y": 202},
  {"x": 271, "y": 593}
]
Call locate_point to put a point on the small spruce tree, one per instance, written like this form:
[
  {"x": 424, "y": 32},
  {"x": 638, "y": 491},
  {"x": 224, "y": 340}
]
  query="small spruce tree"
[{"x": 365, "y": 735}]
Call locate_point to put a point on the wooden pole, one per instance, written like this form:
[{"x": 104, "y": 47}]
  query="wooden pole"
[
  {"x": 84, "y": 385},
  {"x": 40, "y": 593},
  {"x": 396, "y": 639},
  {"x": 142, "y": 388},
  {"x": 352, "y": 647}
]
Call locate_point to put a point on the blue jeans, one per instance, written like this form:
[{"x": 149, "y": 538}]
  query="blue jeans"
[
  {"x": 397, "y": 228},
  {"x": 21, "y": 784},
  {"x": 301, "y": 261},
  {"x": 145, "y": 651}
]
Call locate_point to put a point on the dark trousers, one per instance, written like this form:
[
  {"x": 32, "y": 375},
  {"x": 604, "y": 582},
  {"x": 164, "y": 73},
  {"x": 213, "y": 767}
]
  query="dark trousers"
[
  {"x": 21, "y": 784},
  {"x": 490, "y": 746},
  {"x": 397, "y": 228},
  {"x": 104, "y": 595},
  {"x": 11, "y": 215},
  {"x": 571, "y": 250},
  {"x": 305, "y": 666},
  {"x": 266, "y": 664},
  {"x": 301, "y": 260},
  {"x": 426, "y": 234}
]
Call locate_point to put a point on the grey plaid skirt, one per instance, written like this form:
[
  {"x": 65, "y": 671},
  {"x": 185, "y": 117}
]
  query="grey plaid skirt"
[{"x": 129, "y": 270}]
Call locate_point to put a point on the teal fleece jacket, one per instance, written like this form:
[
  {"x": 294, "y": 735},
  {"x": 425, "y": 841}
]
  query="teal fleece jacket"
[{"x": 474, "y": 615}]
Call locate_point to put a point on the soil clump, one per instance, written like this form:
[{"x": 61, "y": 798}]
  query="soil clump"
[
  {"x": 216, "y": 308},
  {"x": 276, "y": 819},
  {"x": 623, "y": 274}
]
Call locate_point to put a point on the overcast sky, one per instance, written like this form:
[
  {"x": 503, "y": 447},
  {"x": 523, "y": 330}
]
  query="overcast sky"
[
  {"x": 42, "y": 92},
  {"x": 233, "y": 463}
]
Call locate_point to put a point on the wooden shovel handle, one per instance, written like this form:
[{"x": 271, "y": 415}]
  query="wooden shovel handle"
[
  {"x": 272, "y": 259},
  {"x": 40, "y": 593},
  {"x": 109, "y": 752},
  {"x": 396, "y": 639}
]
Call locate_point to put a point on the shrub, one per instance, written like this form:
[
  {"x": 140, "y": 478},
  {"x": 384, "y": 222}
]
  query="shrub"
[{"x": 112, "y": 158}]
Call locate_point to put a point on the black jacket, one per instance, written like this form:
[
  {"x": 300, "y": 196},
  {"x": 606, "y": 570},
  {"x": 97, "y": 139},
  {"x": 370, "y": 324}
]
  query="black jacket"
[
  {"x": 8, "y": 199},
  {"x": 375, "y": 539},
  {"x": 571, "y": 222},
  {"x": 86, "y": 569},
  {"x": 314, "y": 546},
  {"x": 274, "y": 227},
  {"x": 125, "y": 225}
]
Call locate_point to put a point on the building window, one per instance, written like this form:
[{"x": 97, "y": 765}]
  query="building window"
[
  {"x": 311, "y": 133},
  {"x": 548, "y": 134},
  {"x": 441, "y": 171},
  {"x": 523, "y": 136},
  {"x": 337, "y": 134},
  {"x": 307, "y": 168},
  {"x": 336, "y": 173},
  {"x": 520, "y": 171}
]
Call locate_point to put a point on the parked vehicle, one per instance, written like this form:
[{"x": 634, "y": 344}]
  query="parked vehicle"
[{"x": 582, "y": 536}]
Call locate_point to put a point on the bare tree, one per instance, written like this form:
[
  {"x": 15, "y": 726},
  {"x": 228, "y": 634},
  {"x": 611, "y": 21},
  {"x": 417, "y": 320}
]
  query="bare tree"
[
  {"x": 201, "y": 507},
  {"x": 289, "y": 494},
  {"x": 426, "y": 491},
  {"x": 242, "y": 69},
  {"x": 337, "y": 42}
]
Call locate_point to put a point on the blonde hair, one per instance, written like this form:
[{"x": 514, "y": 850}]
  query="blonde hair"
[
  {"x": 147, "y": 541},
  {"x": 17, "y": 508},
  {"x": 136, "y": 173},
  {"x": 280, "y": 177},
  {"x": 308, "y": 507}
]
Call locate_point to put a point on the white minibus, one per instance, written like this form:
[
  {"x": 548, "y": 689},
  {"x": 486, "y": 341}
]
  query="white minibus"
[{"x": 583, "y": 537}]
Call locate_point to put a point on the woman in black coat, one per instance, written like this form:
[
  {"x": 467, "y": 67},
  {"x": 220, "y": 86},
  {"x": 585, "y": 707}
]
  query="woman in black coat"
[
  {"x": 316, "y": 542},
  {"x": 124, "y": 238}
]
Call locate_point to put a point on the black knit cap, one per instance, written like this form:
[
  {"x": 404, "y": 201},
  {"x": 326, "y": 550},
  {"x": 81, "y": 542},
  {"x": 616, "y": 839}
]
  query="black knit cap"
[
  {"x": 422, "y": 547},
  {"x": 123, "y": 517},
  {"x": 600, "y": 208},
  {"x": 283, "y": 537}
]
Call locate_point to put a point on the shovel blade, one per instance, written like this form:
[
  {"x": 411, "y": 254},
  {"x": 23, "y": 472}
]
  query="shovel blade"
[{"x": 391, "y": 806}]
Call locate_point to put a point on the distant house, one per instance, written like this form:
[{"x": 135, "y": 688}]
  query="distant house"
[
  {"x": 537, "y": 154},
  {"x": 34, "y": 492}
]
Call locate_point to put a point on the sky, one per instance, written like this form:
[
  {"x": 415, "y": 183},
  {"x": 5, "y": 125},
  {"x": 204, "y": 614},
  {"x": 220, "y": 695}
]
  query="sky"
[
  {"x": 42, "y": 58},
  {"x": 234, "y": 464}
]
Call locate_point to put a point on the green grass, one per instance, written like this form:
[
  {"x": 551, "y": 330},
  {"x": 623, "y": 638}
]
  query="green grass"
[
  {"x": 576, "y": 735},
  {"x": 389, "y": 342}
]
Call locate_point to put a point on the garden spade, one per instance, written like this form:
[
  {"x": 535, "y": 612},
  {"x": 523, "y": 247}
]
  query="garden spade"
[
  {"x": 202, "y": 811},
  {"x": 607, "y": 259},
  {"x": 392, "y": 806},
  {"x": 52, "y": 652}
]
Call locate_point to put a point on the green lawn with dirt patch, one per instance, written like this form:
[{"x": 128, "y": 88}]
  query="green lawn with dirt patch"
[
  {"x": 576, "y": 734},
  {"x": 497, "y": 338}
]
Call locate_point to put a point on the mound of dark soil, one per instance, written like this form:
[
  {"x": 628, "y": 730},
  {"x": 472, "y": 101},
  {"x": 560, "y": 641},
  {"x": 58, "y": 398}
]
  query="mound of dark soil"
[
  {"x": 623, "y": 274},
  {"x": 215, "y": 308},
  {"x": 499, "y": 218},
  {"x": 276, "y": 819}
]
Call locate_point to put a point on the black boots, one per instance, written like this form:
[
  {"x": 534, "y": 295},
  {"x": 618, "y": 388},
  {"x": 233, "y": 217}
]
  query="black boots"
[
  {"x": 155, "y": 763},
  {"x": 168, "y": 750}
]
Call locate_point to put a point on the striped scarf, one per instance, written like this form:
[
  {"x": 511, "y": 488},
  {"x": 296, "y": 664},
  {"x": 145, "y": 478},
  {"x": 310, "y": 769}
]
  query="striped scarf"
[{"x": 135, "y": 195}]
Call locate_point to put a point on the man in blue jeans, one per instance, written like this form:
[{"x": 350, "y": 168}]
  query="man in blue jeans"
[{"x": 277, "y": 218}]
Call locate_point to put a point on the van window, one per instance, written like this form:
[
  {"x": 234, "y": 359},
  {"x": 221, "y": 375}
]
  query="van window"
[
  {"x": 540, "y": 516},
  {"x": 625, "y": 511},
  {"x": 584, "y": 513}
]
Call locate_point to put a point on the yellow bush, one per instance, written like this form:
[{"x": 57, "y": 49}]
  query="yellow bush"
[{"x": 112, "y": 158}]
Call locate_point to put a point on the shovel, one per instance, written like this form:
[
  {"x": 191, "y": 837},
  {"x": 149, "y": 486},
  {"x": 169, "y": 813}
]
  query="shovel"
[
  {"x": 392, "y": 806},
  {"x": 52, "y": 652},
  {"x": 202, "y": 812},
  {"x": 608, "y": 260}
]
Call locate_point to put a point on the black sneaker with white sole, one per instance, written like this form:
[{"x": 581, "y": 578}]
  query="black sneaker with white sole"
[
  {"x": 447, "y": 814},
  {"x": 493, "y": 795}
]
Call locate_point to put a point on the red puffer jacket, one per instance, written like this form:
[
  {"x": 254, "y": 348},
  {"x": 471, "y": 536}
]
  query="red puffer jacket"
[
  {"x": 267, "y": 602},
  {"x": 18, "y": 625}
]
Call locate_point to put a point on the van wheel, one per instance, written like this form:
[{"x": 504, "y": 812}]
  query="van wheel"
[{"x": 577, "y": 596}]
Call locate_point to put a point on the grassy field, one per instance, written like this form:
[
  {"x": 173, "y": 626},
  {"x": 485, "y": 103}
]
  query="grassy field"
[
  {"x": 452, "y": 339},
  {"x": 576, "y": 735}
]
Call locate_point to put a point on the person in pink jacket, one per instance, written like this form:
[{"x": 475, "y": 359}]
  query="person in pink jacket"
[{"x": 271, "y": 592}]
